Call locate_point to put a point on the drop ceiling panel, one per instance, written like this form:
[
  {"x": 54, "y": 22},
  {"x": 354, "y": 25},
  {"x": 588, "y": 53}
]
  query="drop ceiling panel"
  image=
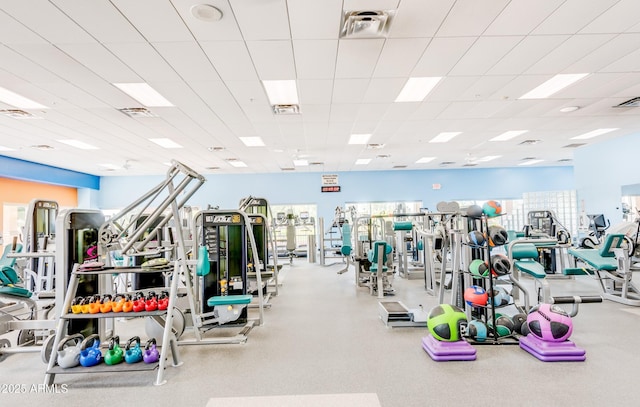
[
  {"x": 419, "y": 18},
  {"x": 357, "y": 58},
  {"x": 349, "y": 90},
  {"x": 315, "y": 59},
  {"x": 400, "y": 111},
  {"x": 618, "y": 50},
  {"x": 24, "y": 68},
  {"x": 317, "y": 91},
  {"x": 373, "y": 111},
  {"x": 383, "y": 90},
  {"x": 485, "y": 86},
  {"x": 273, "y": 59},
  {"x": 429, "y": 110},
  {"x": 14, "y": 32},
  {"x": 188, "y": 60},
  {"x": 572, "y": 16},
  {"x": 157, "y": 21},
  {"x": 49, "y": 22},
  {"x": 569, "y": 52},
  {"x": 520, "y": 17},
  {"x": 102, "y": 62},
  {"x": 628, "y": 63},
  {"x": 344, "y": 112},
  {"x": 451, "y": 88},
  {"x": 399, "y": 57},
  {"x": 230, "y": 59},
  {"x": 315, "y": 19},
  {"x": 471, "y": 17},
  {"x": 595, "y": 85},
  {"x": 145, "y": 61},
  {"x": 484, "y": 54},
  {"x": 220, "y": 101},
  {"x": 224, "y": 29},
  {"x": 620, "y": 17},
  {"x": 92, "y": 96},
  {"x": 101, "y": 19},
  {"x": 316, "y": 113},
  {"x": 262, "y": 20},
  {"x": 441, "y": 56},
  {"x": 526, "y": 53}
]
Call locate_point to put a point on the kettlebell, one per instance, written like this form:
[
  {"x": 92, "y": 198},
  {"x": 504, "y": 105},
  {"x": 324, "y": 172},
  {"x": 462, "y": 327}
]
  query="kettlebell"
[
  {"x": 163, "y": 301},
  {"x": 106, "y": 305},
  {"x": 128, "y": 304},
  {"x": 118, "y": 303},
  {"x": 133, "y": 354},
  {"x": 94, "y": 305},
  {"x": 115, "y": 354},
  {"x": 84, "y": 305},
  {"x": 76, "y": 305},
  {"x": 151, "y": 354},
  {"x": 69, "y": 355},
  {"x": 138, "y": 303},
  {"x": 151, "y": 303},
  {"x": 90, "y": 355}
]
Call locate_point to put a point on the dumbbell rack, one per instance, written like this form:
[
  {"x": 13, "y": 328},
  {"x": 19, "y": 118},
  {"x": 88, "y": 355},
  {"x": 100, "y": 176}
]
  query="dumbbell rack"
[{"x": 169, "y": 340}]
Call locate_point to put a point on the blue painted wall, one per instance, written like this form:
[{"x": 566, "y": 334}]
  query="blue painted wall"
[
  {"x": 601, "y": 172},
  {"x": 30, "y": 171},
  {"x": 461, "y": 184}
]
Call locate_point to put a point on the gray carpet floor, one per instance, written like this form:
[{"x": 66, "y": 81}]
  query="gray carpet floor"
[{"x": 322, "y": 336}]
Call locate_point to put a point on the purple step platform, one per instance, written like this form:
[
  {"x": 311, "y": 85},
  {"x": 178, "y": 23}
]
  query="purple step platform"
[
  {"x": 566, "y": 351},
  {"x": 441, "y": 351}
]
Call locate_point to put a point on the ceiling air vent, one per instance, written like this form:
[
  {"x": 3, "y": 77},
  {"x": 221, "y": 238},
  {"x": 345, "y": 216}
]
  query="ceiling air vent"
[
  {"x": 374, "y": 146},
  {"x": 288, "y": 169},
  {"x": 399, "y": 166},
  {"x": 286, "y": 109},
  {"x": 470, "y": 165},
  {"x": 635, "y": 102},
  {"x": 18, "y": 114},
  {"x": 565, "y": 160},
  {"x": 137, "y": 112},
  {"x": 447, "y": 163},
  {"x": 316, "y": 163},
  {"x": 529, "y": 142},
  {"x": 366, "y": 24},
  {"x": 574, "y": 145},
  {"x": 215, "y": 148}
]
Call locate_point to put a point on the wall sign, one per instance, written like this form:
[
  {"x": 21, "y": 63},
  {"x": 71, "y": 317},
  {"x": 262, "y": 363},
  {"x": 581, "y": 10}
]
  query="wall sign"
[{"x": 330, "y": 188}]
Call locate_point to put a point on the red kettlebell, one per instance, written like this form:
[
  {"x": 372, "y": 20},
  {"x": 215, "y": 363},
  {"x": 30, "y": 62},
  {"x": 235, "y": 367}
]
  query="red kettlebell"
[
  {"x": 138, "y": 303},
  {"x": 151, "y": 354},
  {"x": 151, "y": 304},
  {"x": 163, "y": 301}
]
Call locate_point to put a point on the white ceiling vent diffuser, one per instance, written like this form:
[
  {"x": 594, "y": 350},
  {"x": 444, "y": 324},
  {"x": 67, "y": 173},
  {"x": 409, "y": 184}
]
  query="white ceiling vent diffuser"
[
  {"x": 635, "y": 102},
  {"x": 366, "y": 24},
  {"x": 286, "y": 109},
  {"x": 18, "y": 114},
  {"x": 137, "y": 112}
]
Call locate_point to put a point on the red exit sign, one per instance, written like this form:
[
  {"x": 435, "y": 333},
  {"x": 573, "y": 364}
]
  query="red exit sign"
[{"x": 330, "y": 188}]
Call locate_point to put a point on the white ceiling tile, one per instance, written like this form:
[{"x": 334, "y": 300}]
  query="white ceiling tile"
[
  {"x": 526, "y": 53},
  {"x": 594, "y": 85},
  {"x": 157, "y": 21},
  {"x": 316, "y": 113},
  {"x": 428, "y": 110},
  {"x": 102, "y": 62},
  {"x": 372, "y": 111},
  {"x": 572, "y": 16},
  {"x": 221, "y": 102},
  {"x": 315, "y": 91},
  {"x": 188, "y": 60},
  {"x": 400, "y": 111},
  {"x": 618, "y": 18},
  {"x": 357, "y": 58},
  {"x": 451, "y": 88},
  {"x": 349, "y": 90},
  {"x": 315, "y": 59},
  {"x": 224, "y": 29},
  {"x": 145, "y": 61},
  {"x": 262, "y": 20},
  {"x": 419, "y": 18},
  {"x": 484, "y": 54},
  {"x": 567, "y": 53},
  {"x": 628, "y": 63},
  {"x": 101, "y": 19},
  {"x": 344, "y": 112},
  {"x": 441, "y": 55},
  {"x": 470, "y": 17},
  {"x": 273, "y": 60},
  {"x": 230, "y": 59},
  {"x": 383, "y": 90},
  {"x": 315, "y": 19},
  {"x": 399, "y": 57},
  {"x": 519, "y": 86},
  {"x": 248, "y": 92},
  {"x": 48, "y": 22},
  {"x": 520, "y": 17},
  {"x": 24, "y": 68},
  {"x": 485, "y": 86},
  {"x": 14, "y": 32},
  {"x": 354, "y": 5},
  {"x": 612, "y": 56}
]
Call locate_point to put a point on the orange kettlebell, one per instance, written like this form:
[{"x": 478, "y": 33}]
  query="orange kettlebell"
[
  {"x": 128, "y": 304},
  {"x": 118, "y": 303},
  {"x": 107, "y": 304},
  {"x": 94, "y": 305}
]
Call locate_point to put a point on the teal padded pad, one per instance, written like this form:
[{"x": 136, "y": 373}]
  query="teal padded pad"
[
  {"x": 524, "y": 251},
  {"x": 612, "y": 241},
  {"x": 402, "y": 225},
  {"x": 531, "y": 267},
  {"x": 229, "y": 300},
  {"x": 203, "y": 267},
  {"x": 593, "y": 258},
  {"x": 345, "y": 250},
  {"x": 7, "y": 261},
  {"x": 576, "y": 271},
  {"x": 15, "y": 292},
  {"x": 8, "y": 276}
]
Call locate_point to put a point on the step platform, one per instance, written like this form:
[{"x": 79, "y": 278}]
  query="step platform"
[
  {"x": 442, "y": 351},
  {"x": 566, "y": 351}
]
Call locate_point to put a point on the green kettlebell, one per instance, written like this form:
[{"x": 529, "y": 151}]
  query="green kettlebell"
[{"x": 115, "y": 354}]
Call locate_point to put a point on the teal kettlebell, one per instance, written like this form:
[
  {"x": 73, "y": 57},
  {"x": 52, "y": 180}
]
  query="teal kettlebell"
[
  {"x": 90, "y": 355},
  {"x": 115, "y": 354},
  {"x": 133, "y": 352}
]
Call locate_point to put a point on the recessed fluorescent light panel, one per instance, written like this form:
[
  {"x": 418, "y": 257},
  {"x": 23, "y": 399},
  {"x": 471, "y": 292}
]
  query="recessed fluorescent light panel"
[
  {"x": 592, "y": 134},
  {"x": 13, "y": 99},
  {"x": 252, "y": 141},
  {"x": 144, "y": 94},
  {"x": 363, "y": 161},
  {"x": 425, "y": 160},
  {"x": 359, "y": 138},
  {"x": 165, "y": 142},
  {"x": 487, "y": 158},
  {"x": 300, "y": 163},
  {"x": 78, "y": 144},
  {"x": 416, "y": 89},
  {"x": 282, "y": 92},
  {"x": 553, "y": 85},
  {"x": 237, "y": 163},
  {"x": 3, "y": 148},
  {"x": 444, "y": 137},
  {"x": 531, "y": 162},
  {"x": 508, "y": 135},
  {"x": 110, "y": 166}
]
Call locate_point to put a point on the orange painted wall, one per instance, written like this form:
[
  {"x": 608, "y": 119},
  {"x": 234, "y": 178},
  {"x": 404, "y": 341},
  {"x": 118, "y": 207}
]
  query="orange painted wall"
[{"x": 22, "y": 192}]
